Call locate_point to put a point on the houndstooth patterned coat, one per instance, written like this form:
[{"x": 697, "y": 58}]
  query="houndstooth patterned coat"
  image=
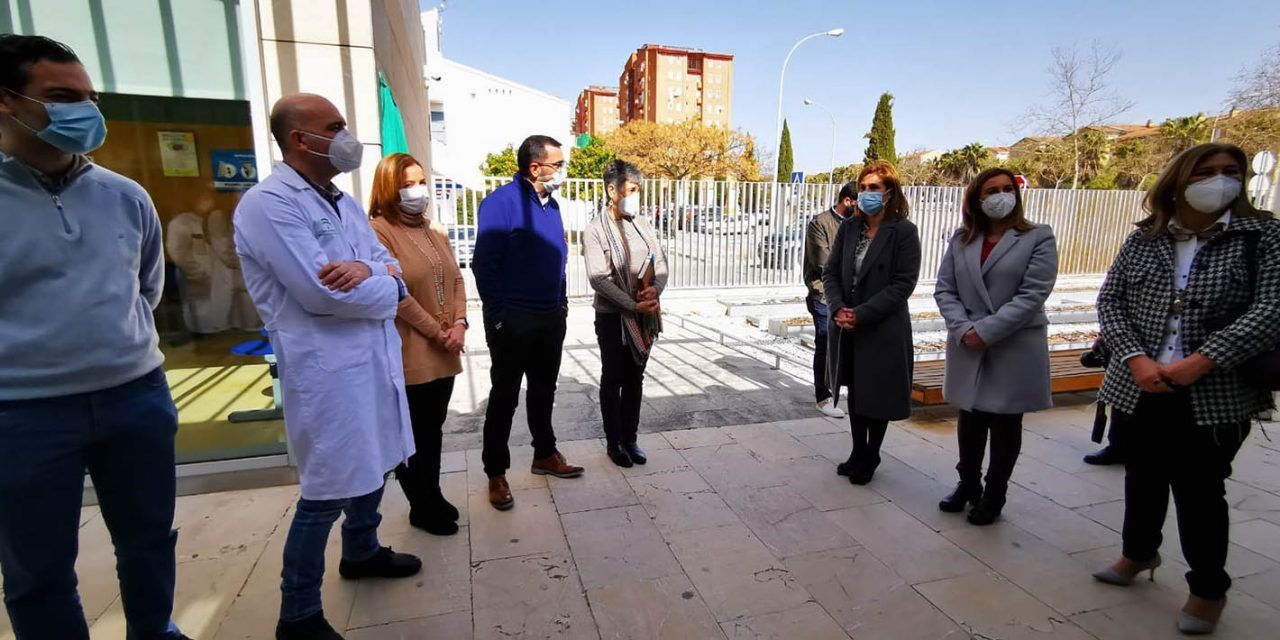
[{"x": 1137, "y": 298}]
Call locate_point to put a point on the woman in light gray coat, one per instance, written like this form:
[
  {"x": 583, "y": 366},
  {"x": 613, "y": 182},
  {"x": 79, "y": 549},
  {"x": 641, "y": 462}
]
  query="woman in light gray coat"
[{"x": 994, "y": 279}]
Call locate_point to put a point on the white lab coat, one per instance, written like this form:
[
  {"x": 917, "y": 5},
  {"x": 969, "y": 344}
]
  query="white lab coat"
[{"x": 341, "y": 376}]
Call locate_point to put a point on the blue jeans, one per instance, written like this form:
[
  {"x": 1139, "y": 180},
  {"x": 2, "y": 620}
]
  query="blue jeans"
[
  {"x": 124, "y": 437},
  {"x": 309, "y": 535},
  {"x": 818, "y": 309}
]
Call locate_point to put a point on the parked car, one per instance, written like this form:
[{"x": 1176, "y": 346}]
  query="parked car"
[
  {"x": 785, "y": 248},
  {"x": 463, "y": 241}
]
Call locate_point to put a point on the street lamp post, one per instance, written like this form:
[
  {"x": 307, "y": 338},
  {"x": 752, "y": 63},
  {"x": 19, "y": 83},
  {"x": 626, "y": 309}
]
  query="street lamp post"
[
  {"x": 777, "y": 138},
  {"x": 810, "y": 103}
]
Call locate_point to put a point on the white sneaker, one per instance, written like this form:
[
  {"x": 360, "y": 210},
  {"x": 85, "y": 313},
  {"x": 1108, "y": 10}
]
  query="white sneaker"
[{"x": 830, "y": 410}]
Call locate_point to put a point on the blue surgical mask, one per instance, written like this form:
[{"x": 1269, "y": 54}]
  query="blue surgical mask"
[
  {"x": 74, "y": 127},
  {"x": 871, "y": 202}
]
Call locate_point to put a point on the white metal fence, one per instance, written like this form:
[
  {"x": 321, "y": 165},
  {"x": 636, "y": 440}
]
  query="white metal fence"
[{"x": 721, "y": 234}]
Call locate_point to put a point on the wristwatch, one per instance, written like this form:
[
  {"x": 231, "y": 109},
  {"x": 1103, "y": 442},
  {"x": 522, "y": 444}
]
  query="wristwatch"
[{"x": 463, "y": 322}]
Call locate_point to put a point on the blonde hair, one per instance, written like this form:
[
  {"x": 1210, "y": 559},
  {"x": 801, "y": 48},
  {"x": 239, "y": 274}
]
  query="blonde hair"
[
  {"x": 1165, "y": 199},
  {"x": 384, "y": 199}
]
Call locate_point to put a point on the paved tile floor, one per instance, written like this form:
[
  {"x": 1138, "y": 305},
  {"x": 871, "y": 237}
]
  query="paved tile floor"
[{"x": 733, "y": 532}]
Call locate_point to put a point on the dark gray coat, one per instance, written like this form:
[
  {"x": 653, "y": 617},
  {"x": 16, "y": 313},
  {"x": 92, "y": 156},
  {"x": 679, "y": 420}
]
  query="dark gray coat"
[
  {"x": 1003, "y": 301},
  {"x": 882, "y": 353}
]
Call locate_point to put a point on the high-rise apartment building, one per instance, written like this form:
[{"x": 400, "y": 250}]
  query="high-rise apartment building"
[
  {"x": 673, "y": 84},
  {"x": 597, "y": 111}
]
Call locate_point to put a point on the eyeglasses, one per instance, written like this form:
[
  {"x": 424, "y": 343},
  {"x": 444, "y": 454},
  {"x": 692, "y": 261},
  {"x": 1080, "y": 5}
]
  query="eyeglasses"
[{"x": 557, "y": 165}]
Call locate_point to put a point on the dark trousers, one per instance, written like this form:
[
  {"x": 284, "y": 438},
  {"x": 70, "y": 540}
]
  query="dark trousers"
[
  {"x": 1118, "y": 433},
  {"x": 868, "y": 435},
  {"x": 124, "y": 437},
  {"x": 303, "y": 571},
  {"x": 428, "y": 407},
  {"x": 818, "y": 310},
  {"x": 621, "y": 382},
  {"x": 1171, "y": 452},
  {"x": 527, "y": 346},
  {"x": 1006, "y": 443}
]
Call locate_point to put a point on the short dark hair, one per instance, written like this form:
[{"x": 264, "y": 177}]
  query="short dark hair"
[
  {"x": 19, "y": 53},
  {"x": 849, "y": 190},
  {"x": 533, "y": 149},
  {"x": 618, "y": 172}
]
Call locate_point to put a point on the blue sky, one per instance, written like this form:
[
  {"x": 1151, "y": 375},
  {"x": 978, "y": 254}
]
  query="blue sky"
[{"x": 960, "y": 71}]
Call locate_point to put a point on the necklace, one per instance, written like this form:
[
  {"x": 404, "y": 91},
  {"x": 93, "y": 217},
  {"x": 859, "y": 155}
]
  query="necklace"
[{"x": 434, "y": 258}]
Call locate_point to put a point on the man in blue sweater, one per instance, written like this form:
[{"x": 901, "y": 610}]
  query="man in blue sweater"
[
  {"x": 81, "y": 387},
  {"x": 519, "y": 266}
]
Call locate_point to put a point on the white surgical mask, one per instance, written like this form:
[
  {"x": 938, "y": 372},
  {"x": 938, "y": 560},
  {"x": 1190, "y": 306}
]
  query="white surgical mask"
[
  {"x": 630, "y": 205},
  {"x": 414, "y": 199},
  {"x": 345, "y": 151},
  {"x": 1211, "y": 195},
  {"x": 998, "y": 206},
  {"x": 555, "y": 180}
]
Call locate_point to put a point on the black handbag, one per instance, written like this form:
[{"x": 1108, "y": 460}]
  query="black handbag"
[{"x": 1263, "y": 370}]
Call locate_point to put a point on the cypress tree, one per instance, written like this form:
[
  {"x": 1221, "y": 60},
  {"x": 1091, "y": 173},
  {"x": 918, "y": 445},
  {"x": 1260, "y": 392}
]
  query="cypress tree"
[
  {"x": 881, "y": 134},
  {"x": 786, "y": 161}
]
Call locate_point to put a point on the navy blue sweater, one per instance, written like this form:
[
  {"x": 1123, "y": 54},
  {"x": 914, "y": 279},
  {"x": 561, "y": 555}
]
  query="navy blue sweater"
[{"x": 520, "y": 254}]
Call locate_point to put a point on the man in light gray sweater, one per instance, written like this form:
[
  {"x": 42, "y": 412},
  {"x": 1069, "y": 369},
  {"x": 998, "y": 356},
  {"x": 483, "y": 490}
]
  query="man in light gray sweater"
[{"x": 81, "y": 386}]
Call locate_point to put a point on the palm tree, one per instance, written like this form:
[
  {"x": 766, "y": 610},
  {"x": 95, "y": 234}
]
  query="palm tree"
[{"x": 1185, "y": 132}]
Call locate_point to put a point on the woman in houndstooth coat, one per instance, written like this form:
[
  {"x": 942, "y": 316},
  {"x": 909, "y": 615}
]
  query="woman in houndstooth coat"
[{"x": 1204, "y": 257}]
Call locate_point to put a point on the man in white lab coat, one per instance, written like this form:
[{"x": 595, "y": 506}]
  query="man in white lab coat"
[{"x": 328, "y": 292}]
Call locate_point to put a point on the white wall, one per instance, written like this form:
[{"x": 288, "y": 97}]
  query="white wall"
[{"x": 483, "y": 112}]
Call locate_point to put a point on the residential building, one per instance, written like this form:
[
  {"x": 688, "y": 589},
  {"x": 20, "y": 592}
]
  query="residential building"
[
  {"x": 673, "y": 84},
  {"x": 1000, "y": 153},
  {"x": 923, "y": 156},
  {"x": 475, "y": 113},
  {"x": 597, "y": 111}
]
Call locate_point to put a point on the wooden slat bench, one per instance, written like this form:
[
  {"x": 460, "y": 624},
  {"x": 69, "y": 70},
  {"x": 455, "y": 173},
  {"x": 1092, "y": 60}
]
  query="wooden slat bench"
[{"x": 1066, "y": 375}]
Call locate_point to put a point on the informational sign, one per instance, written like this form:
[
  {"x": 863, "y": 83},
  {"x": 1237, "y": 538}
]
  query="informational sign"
[
  {"x": 1259, "y": 185},
  {"x": 234, "y": 169},
  {"x": 178, "y": 155},
  {"x": 797, "y": 177},
  {"x": 1263, "y": 162}
]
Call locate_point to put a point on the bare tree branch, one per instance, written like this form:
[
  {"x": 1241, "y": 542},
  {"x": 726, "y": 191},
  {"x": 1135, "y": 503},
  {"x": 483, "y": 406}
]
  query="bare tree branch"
[
  {"x": 1259, "y": 87},
  {"x": 1080, "y": 95}
]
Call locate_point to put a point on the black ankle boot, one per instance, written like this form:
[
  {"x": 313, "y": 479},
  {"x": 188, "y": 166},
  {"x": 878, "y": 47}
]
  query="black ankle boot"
[
  {"x": 618, "y": 454},
  {"x": 966, "y": 493},
  {"x": 436, "y": 523},
  {"x": 636, "y": 453},
  {"x": 989, "y": 507},
  {"x": 444, "y": 508}
]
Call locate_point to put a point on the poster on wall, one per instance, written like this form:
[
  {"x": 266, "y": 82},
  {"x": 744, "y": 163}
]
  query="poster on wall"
[
  {"x": 178, "y": 154},
  {"x": 234, "y": 169}
]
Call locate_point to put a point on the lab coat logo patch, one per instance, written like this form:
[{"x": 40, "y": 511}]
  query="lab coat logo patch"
[{"x": 325, "y": 228}]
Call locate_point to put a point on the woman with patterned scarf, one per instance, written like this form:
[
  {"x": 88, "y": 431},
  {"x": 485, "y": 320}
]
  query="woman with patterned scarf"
[{"x": 628, "y": 272}]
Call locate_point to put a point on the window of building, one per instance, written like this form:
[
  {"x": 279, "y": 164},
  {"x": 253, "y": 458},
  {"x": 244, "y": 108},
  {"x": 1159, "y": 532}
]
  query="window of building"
[
  {"x": 695, "y": 64},
  {"x": 437, "y": 126}
]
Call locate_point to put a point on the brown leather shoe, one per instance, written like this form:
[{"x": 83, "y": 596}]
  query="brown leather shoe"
[
  {"x": 500, "y": 493},
  {"x": 555, "y": 465}
]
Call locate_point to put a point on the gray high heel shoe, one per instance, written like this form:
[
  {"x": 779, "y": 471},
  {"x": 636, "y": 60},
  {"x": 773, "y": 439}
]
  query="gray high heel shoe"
[
  {"x": 1111, "y": 576},
  {"x": 1195, "y": 626}
]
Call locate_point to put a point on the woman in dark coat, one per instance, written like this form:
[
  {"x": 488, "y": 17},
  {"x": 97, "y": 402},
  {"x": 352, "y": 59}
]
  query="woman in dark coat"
[
  {"x": 1193, "y": 295},
  {"x": 872, "y": 271}
]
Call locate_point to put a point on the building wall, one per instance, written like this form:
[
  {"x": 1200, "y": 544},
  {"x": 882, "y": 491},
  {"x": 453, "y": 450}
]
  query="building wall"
[
  {"x": 595, "y": 112},
  {"x": 605, "y": 114},
  {"x": 658, "y": 85},
  {"x": 484, "y": 114}
]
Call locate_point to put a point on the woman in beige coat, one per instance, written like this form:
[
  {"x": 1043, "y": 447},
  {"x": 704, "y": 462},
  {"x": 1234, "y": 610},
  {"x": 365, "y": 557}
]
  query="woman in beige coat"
[{"x": 432, "y": 322}]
